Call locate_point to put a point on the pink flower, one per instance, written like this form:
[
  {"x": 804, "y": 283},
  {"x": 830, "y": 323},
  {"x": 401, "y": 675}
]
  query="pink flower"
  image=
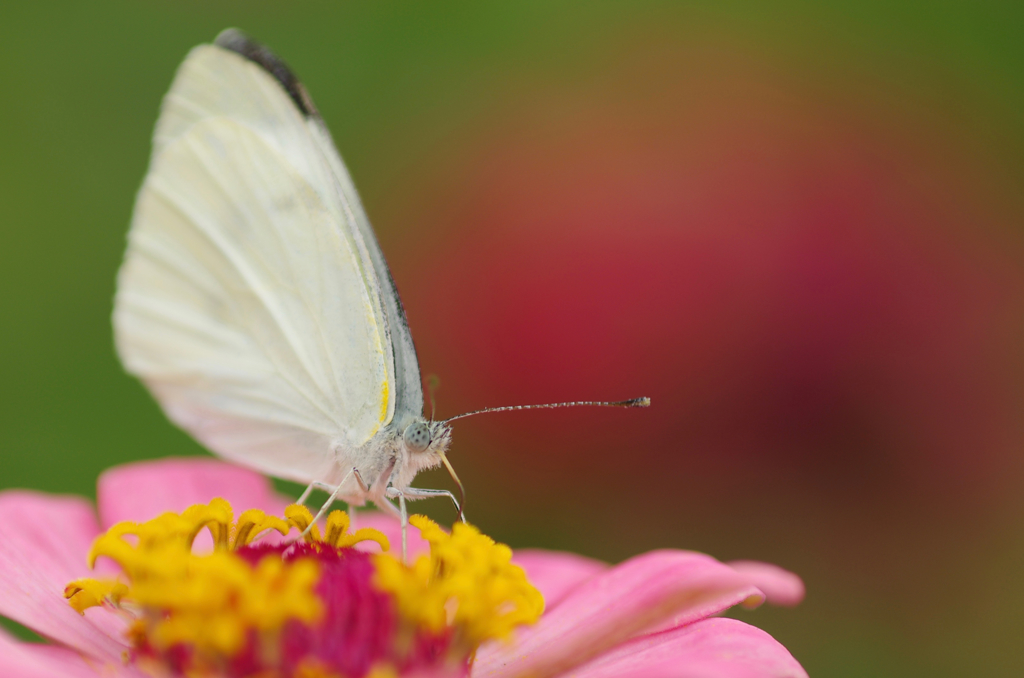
[{"x": 651, "y": 616}]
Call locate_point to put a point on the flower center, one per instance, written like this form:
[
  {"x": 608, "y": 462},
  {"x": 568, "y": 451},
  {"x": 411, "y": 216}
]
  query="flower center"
[{"x": 316, "y": 608}]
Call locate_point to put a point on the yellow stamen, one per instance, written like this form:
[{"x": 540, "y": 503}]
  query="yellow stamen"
[
  {"x": 212, "y": 601},
  {"x": 300, "y": 516},
  {"x": 337, "y": 533},
  {"x": 223, "y": 596},
  {"x": 254, "y": 522},
  {"x": 85, "y": 593},
  {"x": 215, "y": 604},
  {"x": 468, "y": 582}
]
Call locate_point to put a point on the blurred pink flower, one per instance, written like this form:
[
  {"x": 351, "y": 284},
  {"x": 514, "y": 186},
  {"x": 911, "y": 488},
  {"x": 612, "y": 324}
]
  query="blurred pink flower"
[{"x": 651, "y": 616}]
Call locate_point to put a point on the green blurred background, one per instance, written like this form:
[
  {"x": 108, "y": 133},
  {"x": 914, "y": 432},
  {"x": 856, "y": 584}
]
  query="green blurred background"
[{"x": 797, "y": 226}]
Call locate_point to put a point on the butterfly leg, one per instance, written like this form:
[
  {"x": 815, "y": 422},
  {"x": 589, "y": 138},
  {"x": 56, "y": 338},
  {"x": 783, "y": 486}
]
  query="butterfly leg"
[
  {"x": 330, "y": 500},
  {"x": 394, "y": 493},
  {"x": 315, "y": 485},
  {"x": 412, "y": 493}
]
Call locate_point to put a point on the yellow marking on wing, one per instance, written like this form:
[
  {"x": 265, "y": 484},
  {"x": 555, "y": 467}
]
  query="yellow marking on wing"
[{"x": 385, "y": 393}]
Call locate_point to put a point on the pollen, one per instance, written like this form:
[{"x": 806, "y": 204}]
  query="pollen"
[{"x": 266, "y": 602}]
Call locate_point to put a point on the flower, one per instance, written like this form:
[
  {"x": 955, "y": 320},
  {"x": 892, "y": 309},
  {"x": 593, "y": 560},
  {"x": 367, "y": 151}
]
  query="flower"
[
  {"x": 300, "y": 606},
  {"x": 653, "y": 615}
]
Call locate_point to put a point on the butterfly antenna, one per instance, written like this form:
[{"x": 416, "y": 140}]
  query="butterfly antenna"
[
  {"x": 635, "y": 402},
  {"x": 433, "y": 383}
]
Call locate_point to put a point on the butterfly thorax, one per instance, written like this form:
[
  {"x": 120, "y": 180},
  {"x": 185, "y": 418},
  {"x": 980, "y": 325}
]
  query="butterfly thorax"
[{"x": 392, "y": 457}]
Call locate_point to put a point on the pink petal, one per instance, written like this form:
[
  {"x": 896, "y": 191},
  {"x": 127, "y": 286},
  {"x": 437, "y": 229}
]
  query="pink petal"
[
  {"x": 780, "y": 587},
  {"x": 144, "y": 490},
  {"x": 35, "y": 660},
  {"x": 724, "y": 648},
  {"x": 616, "y": 605},
  {"x": 45, "y": 540},
  {"x": 555, "y": 573}
]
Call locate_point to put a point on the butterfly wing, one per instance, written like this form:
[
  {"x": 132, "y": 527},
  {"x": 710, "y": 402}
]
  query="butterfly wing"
[{"x": 251, "y": 302}]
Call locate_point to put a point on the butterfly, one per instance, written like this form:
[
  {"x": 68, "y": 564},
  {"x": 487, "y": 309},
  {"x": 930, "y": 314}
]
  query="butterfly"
[{"x": 254, "y": 301}]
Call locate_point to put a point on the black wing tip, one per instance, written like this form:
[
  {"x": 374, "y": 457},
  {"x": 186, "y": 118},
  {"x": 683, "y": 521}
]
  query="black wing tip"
[{"x": 237, "y": 41}]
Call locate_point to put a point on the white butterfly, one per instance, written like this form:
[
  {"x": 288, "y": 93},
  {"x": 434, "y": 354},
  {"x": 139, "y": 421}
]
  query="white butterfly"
[{"x": 254, "y": 300}]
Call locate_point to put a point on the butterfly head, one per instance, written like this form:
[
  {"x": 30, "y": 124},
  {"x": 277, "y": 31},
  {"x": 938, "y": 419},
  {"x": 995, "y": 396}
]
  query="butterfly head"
[{"x": 426, "y": 442}]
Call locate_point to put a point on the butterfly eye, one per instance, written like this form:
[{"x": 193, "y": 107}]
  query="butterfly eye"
[{"x": 417, "y": 437}]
